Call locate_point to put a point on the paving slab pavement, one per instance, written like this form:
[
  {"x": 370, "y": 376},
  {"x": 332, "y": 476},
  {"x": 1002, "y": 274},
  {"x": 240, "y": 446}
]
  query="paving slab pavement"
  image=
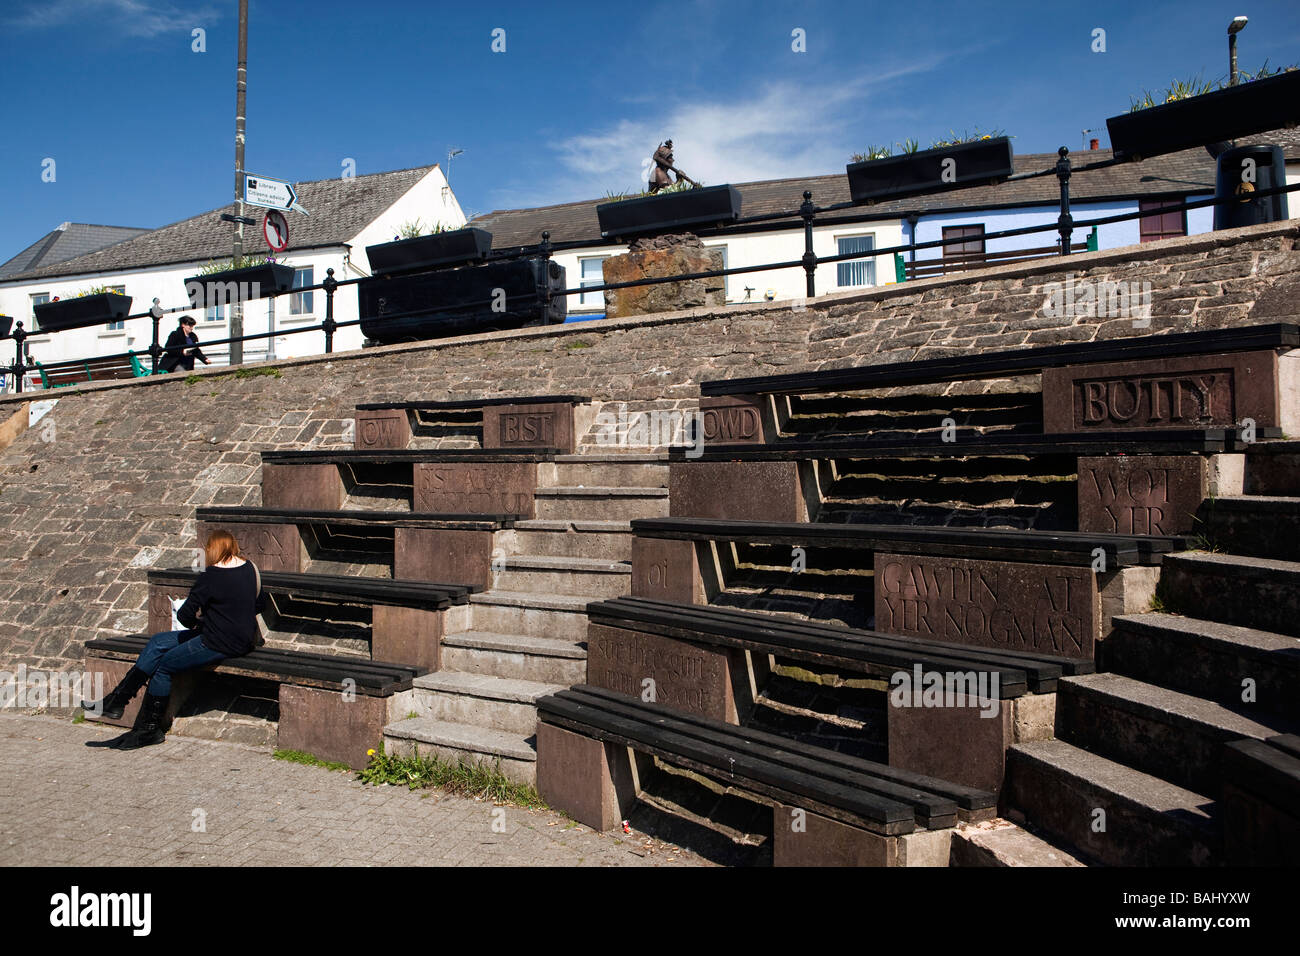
[{"x": 194, "y": 802}]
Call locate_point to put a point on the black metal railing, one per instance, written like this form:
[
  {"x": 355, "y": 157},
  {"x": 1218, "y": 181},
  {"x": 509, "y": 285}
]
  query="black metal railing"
[{"x": 805, "y": 216}]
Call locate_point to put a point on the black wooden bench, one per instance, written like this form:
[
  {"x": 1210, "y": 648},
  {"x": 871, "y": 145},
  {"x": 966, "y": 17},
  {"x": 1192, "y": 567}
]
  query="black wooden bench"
[
  {"x": 522, "y": 421},
  {"x": 860, "y": 802},
  {"x": 409, "y": 456},
  {"x": 1260, "y": 804},
  {"x": 460, "y": 480},
  {"x": 688, "y": 651},
  {"x": 427, "y": 595},
  {"x": 470, "y": 404},
  {"x": 1070, "y": 548},
  {"x": 417, "y": 546},
  {"x": 1204, "y": 441},
  {"x": 332, "y": 706},
  {"x": 833, "y": 645},
  {"x": 1013, "y": 361},
  {"x": 397, "y": 621}
]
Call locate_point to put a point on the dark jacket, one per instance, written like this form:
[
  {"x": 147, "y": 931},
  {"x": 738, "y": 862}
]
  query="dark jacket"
[
  {"x": 176, "y": 342},
  {"x": 229, "y": 605}
]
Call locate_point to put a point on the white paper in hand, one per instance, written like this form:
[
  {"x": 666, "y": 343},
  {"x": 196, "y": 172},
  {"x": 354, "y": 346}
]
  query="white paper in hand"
[{"x": 176, "y": 622}]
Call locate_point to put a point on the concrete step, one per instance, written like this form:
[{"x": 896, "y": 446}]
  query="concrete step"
[
  {"x": 497, "y": 703},
  {"x": 1262, "y": 593},
  {"x": 1273, "y": 468},
  {"x": 553, "y": 616},
  {"x": 514, "y": 754},
  {"x": 542, "y": 574},
  {"x": 617, "y": 471},
  {"x": 601, "y": 503},
  {"x": 515, "y": 656},
  {"x": 1166, "y": 733},
  {"x": 1209, "y": 659},
  {"x": 611, "y": 540},
  {"x": 1001, "y": 843},
  {"x": 1143, "y": 820},
  {"x": 1265, "y": 526}
]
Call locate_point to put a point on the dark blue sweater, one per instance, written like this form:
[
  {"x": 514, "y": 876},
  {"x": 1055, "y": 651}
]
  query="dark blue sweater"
[{"x": 223, "y": 606}]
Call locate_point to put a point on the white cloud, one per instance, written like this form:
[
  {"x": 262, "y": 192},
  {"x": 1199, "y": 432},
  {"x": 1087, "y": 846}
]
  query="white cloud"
[
  {"x": 779, "y": 130},
  {"x": 137, "y": 18}
]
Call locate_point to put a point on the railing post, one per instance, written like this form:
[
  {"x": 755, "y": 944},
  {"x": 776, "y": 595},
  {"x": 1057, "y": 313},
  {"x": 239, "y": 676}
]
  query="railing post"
[
  {"x": 1065, "y": 223},
  {"x": 329, "y": 325},
  {"x": 809, "y": 257},
  {"x": 19, "y": 366},
  {"x": 544, "y": 284},
  {"x": 155, "y": 350}
]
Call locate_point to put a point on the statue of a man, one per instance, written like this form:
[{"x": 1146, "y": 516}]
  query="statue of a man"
[{"x": 663, "y": 164}]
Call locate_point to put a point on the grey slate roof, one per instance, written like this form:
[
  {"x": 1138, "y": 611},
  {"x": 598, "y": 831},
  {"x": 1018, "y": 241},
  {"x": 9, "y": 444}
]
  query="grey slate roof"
[
  {"x": 1184, "y": 173},
  {"x": 70, "y": 240},
  {"x": 340, "y": 208}
]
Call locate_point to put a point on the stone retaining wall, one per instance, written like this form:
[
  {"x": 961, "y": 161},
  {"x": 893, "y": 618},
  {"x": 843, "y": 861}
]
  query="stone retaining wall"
[{"x": 107, "y": 485}]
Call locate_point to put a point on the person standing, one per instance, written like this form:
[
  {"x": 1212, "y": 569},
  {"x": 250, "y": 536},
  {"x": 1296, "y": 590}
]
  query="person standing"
[{"x": 182, "y": 348}]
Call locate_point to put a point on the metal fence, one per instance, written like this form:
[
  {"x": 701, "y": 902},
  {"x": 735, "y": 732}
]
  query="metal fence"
[{"x": 806, "y": 215}]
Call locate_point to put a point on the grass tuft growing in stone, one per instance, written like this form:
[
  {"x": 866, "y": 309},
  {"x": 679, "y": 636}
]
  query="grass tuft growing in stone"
[
  {"x": 464, "y": 778},
  {"x": 310, "y": 760}
]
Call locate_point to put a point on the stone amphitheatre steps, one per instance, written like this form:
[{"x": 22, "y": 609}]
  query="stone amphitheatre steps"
[
  {"x": 1134, "y": 774},
  {"x": 527, "y": 633}
]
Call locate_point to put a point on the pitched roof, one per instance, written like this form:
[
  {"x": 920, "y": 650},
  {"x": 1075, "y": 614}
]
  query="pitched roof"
[
  {"x": 68, "y": 241},
  {"x": 340, "y": 208},
  {"x": 1190, "y": 171}
]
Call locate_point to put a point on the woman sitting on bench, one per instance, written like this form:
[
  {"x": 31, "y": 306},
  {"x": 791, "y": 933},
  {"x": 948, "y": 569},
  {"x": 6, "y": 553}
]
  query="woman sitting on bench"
[{"x": 221, "y": 617}]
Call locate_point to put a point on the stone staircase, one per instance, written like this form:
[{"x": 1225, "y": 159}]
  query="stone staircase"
[
  {"x": 1134, "y": 774},
  {"x": 525, "y": 637}
]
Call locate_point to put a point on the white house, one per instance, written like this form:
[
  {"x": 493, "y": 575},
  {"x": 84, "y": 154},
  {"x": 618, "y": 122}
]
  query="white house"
[
  {"x": 958, "y": 219},
  {"x": 346, "y": 215}
]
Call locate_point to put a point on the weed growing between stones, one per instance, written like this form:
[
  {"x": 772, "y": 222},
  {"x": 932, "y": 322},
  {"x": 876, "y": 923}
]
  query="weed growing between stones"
[
  {"x": 239, "y": 373},
  {"x": 467, "y": 779},
  {"x": 310, "y": 760}
]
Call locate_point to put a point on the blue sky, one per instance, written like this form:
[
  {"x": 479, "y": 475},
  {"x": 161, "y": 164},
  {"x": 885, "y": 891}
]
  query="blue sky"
[{"x": 141, "y": 126}]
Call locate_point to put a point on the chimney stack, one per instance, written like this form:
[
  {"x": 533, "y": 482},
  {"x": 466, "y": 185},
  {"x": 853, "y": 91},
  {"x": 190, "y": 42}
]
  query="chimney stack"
[{"x": 1094, "y": 144}]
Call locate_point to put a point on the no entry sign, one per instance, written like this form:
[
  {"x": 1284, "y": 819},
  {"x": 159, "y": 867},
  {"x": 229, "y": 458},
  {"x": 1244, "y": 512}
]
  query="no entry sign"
[{"x": 276, "y": 230}]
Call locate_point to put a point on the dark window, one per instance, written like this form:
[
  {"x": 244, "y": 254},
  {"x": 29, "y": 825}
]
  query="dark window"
[
  {"x": 1162, "y": 225},
  {"x": 964, "y": 244}
]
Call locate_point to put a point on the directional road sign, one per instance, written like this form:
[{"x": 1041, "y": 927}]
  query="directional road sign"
[{"x": 270, "y": 193}]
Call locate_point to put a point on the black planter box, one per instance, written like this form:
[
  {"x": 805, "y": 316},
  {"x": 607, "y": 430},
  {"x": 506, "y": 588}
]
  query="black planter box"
[
  {"x": 974, "y": 164},
  {"x": 6, "y": 325},
  {"x": 442, "y": 248},
  {"x": 82, "y": 313},
  {"x": 458, "y": 301},
  {"x": 1253, "y": 107},
  {"x": 238, "y": 285},
  {"x": 670, "y": 212}
]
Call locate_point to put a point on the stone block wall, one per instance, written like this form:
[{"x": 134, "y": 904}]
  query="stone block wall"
[{"x": 86, "y": 506}]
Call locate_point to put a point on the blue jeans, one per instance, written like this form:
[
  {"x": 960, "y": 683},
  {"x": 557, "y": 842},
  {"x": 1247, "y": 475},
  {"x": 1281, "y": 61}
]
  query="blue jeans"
[{"x": 171, "y": 652}]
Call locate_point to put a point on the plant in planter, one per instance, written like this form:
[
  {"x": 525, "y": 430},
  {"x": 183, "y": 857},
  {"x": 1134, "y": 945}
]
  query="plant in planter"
[
  {"x": 442, "y": 247},
  {"x": 225, "y": 281},
  {"x": 672, "y": 209},
  {"x": 1191, "y": 113},
  {"x": 965, "y": 159},
  {"x": 97, "y": 305}
]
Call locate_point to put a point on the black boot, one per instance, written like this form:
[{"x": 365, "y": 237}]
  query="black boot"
[
  {"x": 113, "y": 705},
  {"x": 149, "y": 727}
]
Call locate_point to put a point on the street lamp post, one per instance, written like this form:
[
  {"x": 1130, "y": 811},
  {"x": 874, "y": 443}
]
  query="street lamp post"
[{"x": 1236, "y": 26}]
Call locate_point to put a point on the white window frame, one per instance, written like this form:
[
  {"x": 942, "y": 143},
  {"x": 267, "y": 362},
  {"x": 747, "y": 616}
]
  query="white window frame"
[
  {"x": 120, "y": 324},
  {"x": 583, "y": 283},
  {"x": 868, "y": 259},
  {"x": 296, "y": 298},
  {"x": 32, "y": 297}
]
